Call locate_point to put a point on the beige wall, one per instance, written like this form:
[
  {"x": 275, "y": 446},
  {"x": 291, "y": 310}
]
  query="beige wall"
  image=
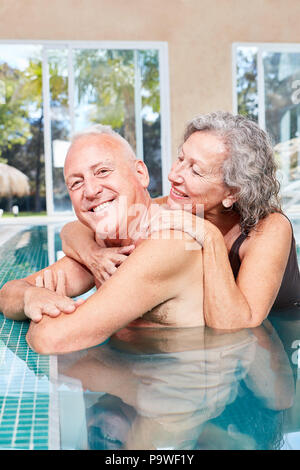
[{"x": 199, "y": 34}]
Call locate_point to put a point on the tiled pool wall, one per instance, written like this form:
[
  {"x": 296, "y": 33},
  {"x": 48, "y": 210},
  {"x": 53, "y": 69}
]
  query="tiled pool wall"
[{"x": 26, "y": 391}]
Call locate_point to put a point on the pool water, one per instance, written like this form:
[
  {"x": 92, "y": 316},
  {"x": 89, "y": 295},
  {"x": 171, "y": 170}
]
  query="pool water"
[{"x": 147, "y": 389}]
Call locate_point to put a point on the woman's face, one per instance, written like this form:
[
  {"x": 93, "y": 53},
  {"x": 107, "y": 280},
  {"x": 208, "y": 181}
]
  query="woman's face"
[{"x": 196, "y": 175}]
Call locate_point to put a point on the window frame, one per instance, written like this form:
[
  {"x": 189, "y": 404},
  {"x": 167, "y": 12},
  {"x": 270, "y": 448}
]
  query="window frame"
[
  {"x": 161, "y": 46},
  {"x": 261, "y": 48}
]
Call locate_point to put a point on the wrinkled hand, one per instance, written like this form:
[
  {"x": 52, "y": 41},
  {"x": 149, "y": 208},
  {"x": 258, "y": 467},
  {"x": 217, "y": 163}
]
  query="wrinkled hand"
[
  {"x": 179, "y": 220},
  {"x": 103, "y": 262},
  {"x": 46, "y": 298}
]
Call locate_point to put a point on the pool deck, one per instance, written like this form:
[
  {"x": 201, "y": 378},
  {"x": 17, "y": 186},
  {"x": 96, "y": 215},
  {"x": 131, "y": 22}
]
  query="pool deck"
[
  {"x": 36, "y": 220},
  {"x": 10, "y": 226}
]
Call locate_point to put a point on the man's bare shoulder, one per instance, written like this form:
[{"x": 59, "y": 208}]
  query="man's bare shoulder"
[{"x": 167, "y": 251}]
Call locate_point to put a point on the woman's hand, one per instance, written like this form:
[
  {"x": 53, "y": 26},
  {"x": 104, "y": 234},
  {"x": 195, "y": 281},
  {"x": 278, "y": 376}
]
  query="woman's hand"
[
  {"x": 103, "y": 262},
  {"x": 48, "y": 297},
  {"x": 179, "y": 220}
]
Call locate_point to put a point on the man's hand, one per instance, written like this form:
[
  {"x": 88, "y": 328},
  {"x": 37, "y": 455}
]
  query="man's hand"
[
  {"x": 48, "y": 297},
  {"x": 103, "y": 262}
]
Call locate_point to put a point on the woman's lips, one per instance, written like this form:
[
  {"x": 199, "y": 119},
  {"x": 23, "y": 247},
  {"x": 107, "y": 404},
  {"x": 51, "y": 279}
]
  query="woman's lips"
[{"x": 175, "y": 194}]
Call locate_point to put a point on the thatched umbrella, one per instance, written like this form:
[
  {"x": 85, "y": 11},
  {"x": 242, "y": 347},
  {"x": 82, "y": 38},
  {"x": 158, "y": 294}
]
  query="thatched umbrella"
[{"x": 12, "y": 182}]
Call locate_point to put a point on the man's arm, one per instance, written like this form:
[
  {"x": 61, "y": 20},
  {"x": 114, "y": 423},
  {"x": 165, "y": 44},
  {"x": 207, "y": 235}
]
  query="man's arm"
[
  {"x": 155, "y": 272},
  {"x": 18, "y": 294}
]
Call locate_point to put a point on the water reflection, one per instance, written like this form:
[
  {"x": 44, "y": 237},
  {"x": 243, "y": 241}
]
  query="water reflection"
[{"x": 185, "y": 389}]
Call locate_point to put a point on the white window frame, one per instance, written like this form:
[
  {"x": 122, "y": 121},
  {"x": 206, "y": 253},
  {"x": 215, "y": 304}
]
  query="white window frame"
[
  {"x": 161, "y": 46},
  {"x": 261, "y": 47},
  {"x": 288, "y": 189}
]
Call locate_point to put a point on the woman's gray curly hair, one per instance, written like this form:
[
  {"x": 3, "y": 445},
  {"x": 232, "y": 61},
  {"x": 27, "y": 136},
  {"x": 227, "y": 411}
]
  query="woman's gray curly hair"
[{"x": 250, "y": 167}]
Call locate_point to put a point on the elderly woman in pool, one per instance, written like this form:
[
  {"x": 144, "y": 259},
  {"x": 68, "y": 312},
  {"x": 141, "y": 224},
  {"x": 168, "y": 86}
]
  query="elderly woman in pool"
[{"x": 226, "y": 166}]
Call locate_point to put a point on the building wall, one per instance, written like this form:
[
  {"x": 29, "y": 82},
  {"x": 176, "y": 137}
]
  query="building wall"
[{"x": 199, "y": 33}]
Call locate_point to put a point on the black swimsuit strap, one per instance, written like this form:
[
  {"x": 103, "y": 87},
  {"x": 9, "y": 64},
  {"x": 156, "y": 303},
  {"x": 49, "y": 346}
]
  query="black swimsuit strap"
[
  {"x": 233, "y": 255},
  {"x": 237, "y": 243}
]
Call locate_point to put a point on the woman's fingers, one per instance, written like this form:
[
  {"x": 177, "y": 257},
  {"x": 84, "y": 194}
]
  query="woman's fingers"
[
  {"x": 181, "y": 221},
  {"x": 61, "y": 286},
  {"x": 39, "y": 282},
  {"x": 105, "y": 275},
  {"x": 48, "y": 280},
  {"x": 126, "y": 250},
  {"x": 111, "y": 268},
  {"x": 118, "y": 259}
]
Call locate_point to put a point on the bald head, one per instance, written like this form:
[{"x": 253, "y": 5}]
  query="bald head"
[{"x": 102, "y": 136}]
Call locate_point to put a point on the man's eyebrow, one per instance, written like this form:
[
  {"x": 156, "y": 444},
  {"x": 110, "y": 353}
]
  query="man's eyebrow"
[
  {"x": 102, "y": 162},
  {"x": 74, "y": 175},
  {"x": 93, "y": 167}
]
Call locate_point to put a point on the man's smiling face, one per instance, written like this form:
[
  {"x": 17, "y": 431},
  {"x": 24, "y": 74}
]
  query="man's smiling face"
[{"x": 101, "y": 174}]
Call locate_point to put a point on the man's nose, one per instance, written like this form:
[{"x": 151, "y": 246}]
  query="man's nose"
[{"x": 92, "y": 187}]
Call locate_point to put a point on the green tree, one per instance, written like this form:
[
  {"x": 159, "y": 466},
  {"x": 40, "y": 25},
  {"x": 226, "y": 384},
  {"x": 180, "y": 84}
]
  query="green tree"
[
  {"x": 22, "y": 120},
  {"x": 247, "y": 83},
  {"x": 14, "y": 125},
  {"x": 106, "y": 79}
]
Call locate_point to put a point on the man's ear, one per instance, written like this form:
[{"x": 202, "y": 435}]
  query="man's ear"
[{"x": 142, "y": 173}]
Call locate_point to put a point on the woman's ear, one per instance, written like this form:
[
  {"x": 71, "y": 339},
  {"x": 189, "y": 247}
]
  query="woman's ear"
[
  {"x": 229, "y": 199},
  {"x": 142, "y": 172}
]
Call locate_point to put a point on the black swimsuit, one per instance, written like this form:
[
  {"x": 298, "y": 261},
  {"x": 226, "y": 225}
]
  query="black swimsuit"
[{"x": 289, "y": 292}]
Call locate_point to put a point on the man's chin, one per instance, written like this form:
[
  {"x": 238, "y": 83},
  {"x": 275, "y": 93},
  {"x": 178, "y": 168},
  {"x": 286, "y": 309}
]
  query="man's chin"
[{"x": 86, "y": 220}]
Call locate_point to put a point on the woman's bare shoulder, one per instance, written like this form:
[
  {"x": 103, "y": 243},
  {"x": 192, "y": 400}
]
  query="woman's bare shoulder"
[
  {"x": 274, "y": 231},
  {"x": 273, "y": 223}
]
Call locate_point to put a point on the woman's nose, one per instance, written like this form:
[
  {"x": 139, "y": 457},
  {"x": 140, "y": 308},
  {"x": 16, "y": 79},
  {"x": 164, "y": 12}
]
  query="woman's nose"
[
  {"x": 175, "y": 175},
  {"x": 92, "y": 187}
]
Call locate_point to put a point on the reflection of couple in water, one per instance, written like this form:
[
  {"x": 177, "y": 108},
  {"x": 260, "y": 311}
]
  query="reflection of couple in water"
[{"x": 185, "y": 389}]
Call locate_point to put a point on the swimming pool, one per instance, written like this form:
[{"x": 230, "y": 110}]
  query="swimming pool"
[{"x": 146, "y": 389}]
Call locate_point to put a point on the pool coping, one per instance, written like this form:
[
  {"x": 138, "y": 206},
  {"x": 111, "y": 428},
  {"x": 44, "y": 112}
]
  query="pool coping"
[{"x": 36, "y": 220}]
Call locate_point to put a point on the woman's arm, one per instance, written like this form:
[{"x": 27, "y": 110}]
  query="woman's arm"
[
  {"x": 270, "y": 376},
  {"x": 78, "y": 242},
  {"x": 246, "y": 301}
]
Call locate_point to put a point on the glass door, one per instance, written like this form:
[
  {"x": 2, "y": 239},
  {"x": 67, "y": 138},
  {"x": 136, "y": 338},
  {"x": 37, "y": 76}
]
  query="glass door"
[
  {"x": 89, "y": 85},
  {"x": 267, "y": 89}
]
